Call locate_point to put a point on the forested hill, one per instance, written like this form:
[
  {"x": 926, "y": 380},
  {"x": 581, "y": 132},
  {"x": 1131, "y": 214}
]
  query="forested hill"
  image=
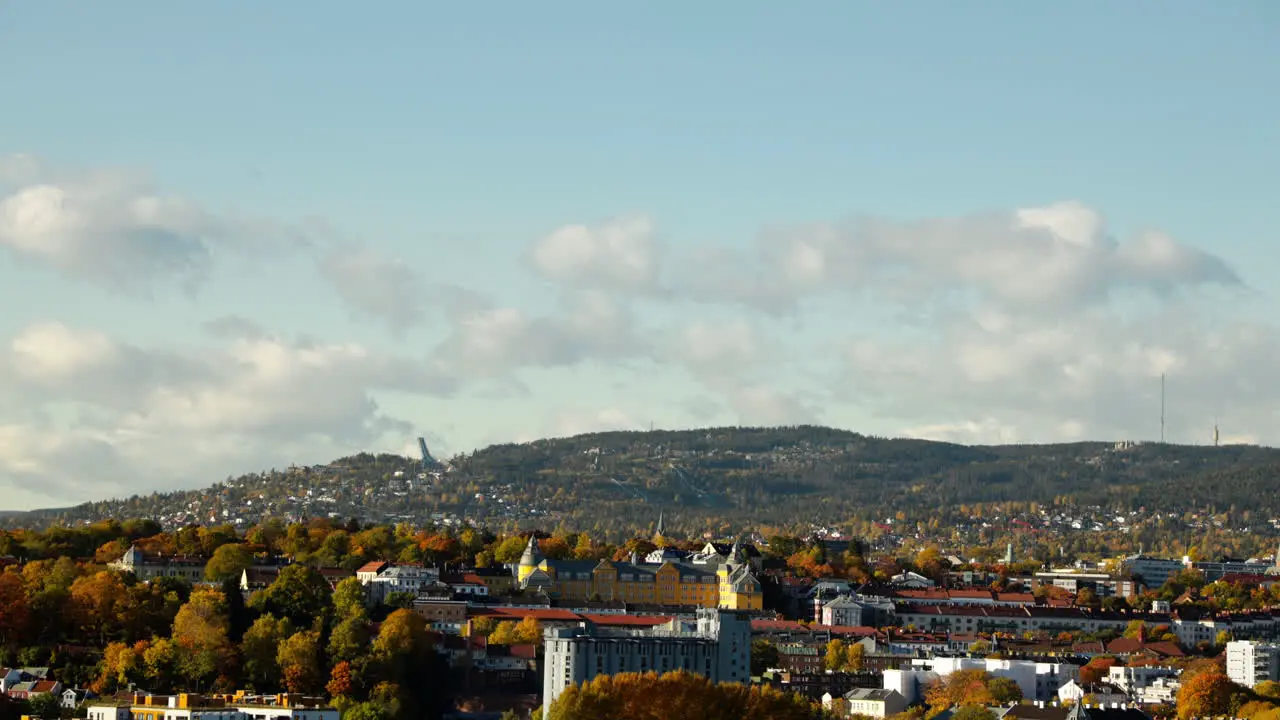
[{"x": 722, "y": 477}]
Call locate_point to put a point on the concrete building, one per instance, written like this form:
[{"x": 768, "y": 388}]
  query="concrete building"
[
  {"x": 866, "y": 702},
  {"x": 716, "y": 645},
  {"x": 148, "y": 567},
  {"x": 185, "y": 706},
  {"x": 1037, "y": 680},
  {"x": 1153, "y": 571},
  {"x": 709, "y": 579},
  {"x": 1249, "y": 662},
  {"x": 858, "y": 611}
]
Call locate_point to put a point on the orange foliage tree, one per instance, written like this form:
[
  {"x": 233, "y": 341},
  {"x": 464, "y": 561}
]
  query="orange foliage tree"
[{"x": 632, "y": 696}]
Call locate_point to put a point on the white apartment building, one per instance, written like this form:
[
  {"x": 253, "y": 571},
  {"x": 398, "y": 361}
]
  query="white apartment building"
[
  {"x": 1249, "y": 662},
  {"x": 381, "y": 579},
  {"x": 1133, "y": 680},
  {"x": 1037, "y": 680},
  {"x": 716, "y": 645}
]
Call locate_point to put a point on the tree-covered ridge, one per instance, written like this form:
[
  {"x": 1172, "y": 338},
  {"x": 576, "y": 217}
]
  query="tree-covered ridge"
[{"x": 725, "y": 477}]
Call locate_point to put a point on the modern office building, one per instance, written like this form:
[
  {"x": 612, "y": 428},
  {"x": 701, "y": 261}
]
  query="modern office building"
[{"x": 716, "y": 645}]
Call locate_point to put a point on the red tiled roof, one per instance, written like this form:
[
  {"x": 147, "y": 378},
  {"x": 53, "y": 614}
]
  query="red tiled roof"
[
  {"x": 373, "y": 566},
  {"x": 627, "y": 620},
  {"x": 550, "y": 614},
  {"x": 761, "y": 625},
  {"x": 527, "y": 652},
  {"x": 44, "y": 686},
  {"x": 859, "y": 630},
  {"x": 983, "y": 594}
]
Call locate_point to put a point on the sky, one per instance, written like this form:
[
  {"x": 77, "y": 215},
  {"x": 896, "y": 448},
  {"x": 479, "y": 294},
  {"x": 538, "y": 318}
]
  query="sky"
[{"x": 237, "y": 236}]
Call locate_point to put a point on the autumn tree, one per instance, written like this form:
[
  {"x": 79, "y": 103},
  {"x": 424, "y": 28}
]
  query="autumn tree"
[
  {"x": 200, "y": 630},
  {"x": 228, "y": 563},
  {"x": 259, "y": 650},
  {"x": 834, "y": 658},
  {"x": 349, "y": 639},
  {"x": 1205, "y": 694},
  {"x": 962, "y": 687},
  {"x": 300, "y": 594},
  {"x": 300, "y": 663},
  {"x": 349, "y": 599},
  {"x": 341, "y": 680},
  {"x": 676, "y": 695},
  {"x": 1096, "y": 670},
  {"x": 15, "y": 610}
]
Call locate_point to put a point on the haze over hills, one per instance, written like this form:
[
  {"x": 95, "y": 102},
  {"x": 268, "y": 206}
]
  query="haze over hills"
[{"x": 720, "y": 478}]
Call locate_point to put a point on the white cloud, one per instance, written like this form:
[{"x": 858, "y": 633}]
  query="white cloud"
[
  {"x": 1093, "y": 375},
  {"x": 1047, "y": 258},
  {"x": 618, "y": 254},
  {"x": 489, "y": 341},
  {"x": 388, "y": 289},
  {"x": 715, "y": 349},
  {"x": 115, "y": 228},
  {"x": 160, "y": 417}
]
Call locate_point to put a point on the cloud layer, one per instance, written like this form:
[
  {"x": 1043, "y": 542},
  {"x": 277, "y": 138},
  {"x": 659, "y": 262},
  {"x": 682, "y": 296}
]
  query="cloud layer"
[{"x": 1033, "y": 324}]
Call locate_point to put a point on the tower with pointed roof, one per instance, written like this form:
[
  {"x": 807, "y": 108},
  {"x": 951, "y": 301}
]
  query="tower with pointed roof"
[{"x": 530, "y": 560}]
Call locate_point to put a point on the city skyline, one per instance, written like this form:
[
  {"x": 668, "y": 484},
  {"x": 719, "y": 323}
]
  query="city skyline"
[{"x": 233, "y": 238}]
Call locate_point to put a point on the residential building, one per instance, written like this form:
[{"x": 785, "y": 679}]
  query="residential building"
[
  {"x": 8, "y": 678},
  {"x": 858, "y": 610},
  {"x": 1037, "y": 680},
  {"x": 187, "y": 706},
  {"x": 149, "y": 567},
  {"x": 1133, "y": 679},
  {"x": 716, "y": 645},
  {"x": 702, "y": 582},
  {"x": 1249, "y": 662},
  {"x": 28, "y": 689},
  {"x": 866, "y": 702},
  {"x": 1152, "y": 571},
  {"x": 445, "y": 615},
  {"x": 1106, "y": 693},
  {"x": 382, "y": 579}
]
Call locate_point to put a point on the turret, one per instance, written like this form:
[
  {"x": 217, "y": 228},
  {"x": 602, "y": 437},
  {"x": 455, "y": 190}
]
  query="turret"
[{"x": 529, "y": 560}]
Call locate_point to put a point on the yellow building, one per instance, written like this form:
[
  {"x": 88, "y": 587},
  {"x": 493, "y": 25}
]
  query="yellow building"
[{"x": 723, "y": 582}]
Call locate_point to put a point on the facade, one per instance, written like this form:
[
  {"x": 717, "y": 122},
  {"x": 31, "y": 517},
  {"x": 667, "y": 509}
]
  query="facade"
[
  {"x": 1249, "y": 663},
  {"x": 1153, "y": 571},
  {"x": 1037, "y": 680},
  {"x": 240, "y": 706},
  {"x": 445, "y": 615},
  {"x": 858, "y": 611},
  {"x": 146, "y": 567},
  {"x": 381, "y": 579},
  {"x": 717, "y": 645},
  {"x": 873, "y": 702},
  {"x": 728, "y": 584}
]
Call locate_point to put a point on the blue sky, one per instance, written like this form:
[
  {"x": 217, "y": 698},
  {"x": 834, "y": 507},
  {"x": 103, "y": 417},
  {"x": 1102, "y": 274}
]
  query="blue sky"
[{"x": 784, "y": 216}]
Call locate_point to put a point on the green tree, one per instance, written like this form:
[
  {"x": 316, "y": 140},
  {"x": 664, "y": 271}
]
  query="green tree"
[
  {"x": 200, "y": 631},
  {"x": 300, "y": 594},
  {"x": 228, "y": 563},
  {"x": 300, "y": 663},
  {"x": 349, "y": 639},
  {"x": 259, "y": 649},
  {"x": 764, "y": 655},
  {"x": 349, "y": 599}
]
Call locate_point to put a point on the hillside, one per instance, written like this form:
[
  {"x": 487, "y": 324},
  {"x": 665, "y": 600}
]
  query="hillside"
[{"x": 722, "y": 477}]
